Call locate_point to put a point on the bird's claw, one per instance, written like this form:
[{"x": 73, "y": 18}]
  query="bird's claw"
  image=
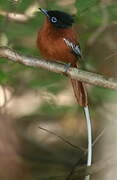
[{"x": 67, "y": 66}]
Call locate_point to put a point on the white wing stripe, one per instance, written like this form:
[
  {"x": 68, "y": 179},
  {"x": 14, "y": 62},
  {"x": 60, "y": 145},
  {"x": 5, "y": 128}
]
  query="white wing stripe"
[{"x": 73, "y": 46}]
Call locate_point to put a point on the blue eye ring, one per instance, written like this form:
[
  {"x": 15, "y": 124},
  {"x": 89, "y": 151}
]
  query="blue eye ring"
[{"x": 53, "y": 19}]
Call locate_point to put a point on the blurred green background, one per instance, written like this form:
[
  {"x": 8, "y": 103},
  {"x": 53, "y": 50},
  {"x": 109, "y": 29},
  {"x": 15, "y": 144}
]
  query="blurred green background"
[{"x": 32, "y": 97}]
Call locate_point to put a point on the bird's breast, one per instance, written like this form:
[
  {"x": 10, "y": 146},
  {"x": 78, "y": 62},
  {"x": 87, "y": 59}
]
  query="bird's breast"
[{"x": 52, "y": 47}]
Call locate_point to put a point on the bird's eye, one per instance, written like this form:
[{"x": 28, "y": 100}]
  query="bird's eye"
[{"x": 54, "y": 19}]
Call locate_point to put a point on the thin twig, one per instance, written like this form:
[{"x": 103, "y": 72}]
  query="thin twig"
[
  {"x": 96, "y": 167},
  {"x": 98, "y": 137},
  {"x": 110, "y": 56},
  {"x": 74, "y": 73},
  {"x": 63, "y": 139},
  {"x": 69, "y": 176}
]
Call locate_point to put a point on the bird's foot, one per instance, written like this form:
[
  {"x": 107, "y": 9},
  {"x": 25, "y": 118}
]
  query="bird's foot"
[{"x": 67, "y": 66}]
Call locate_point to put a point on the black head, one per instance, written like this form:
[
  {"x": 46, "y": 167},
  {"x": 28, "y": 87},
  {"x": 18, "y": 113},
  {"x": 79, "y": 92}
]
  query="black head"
[{"x": 58, "y": 18}]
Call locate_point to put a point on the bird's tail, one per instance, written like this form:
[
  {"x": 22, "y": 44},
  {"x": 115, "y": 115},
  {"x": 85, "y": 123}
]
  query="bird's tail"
[
  {"x": 89, "y": 135},
  {"x": 79, "y": 92},
  {"x": 81, "y": 97}
]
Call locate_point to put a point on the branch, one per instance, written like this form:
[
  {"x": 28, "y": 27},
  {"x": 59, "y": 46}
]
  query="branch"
[
  {"x": 81, "y": 75},
  {"x": 14, "y": 16},
  {"x": 21, "y": 17},
  {"x": 63, "y": 139}
]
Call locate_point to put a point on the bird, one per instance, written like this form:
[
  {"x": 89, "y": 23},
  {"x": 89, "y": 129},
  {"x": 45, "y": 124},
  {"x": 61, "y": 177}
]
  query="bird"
[{"x": 57, "y": 40}]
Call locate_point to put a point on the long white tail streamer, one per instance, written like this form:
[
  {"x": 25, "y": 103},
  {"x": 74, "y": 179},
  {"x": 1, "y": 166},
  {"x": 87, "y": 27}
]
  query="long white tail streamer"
[{"x": 89, "y": 132}]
